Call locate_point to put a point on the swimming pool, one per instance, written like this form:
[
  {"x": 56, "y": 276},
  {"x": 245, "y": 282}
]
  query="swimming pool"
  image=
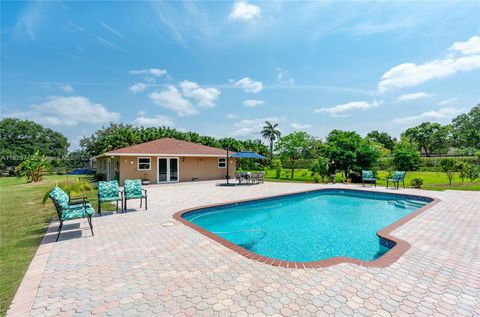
[{"x": 310, "y": 226}]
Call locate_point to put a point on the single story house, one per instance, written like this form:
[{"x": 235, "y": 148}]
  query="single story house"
[{"x": 165, "y": 160}]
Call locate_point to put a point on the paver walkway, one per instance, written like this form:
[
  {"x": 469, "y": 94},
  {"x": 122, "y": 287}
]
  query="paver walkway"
[{"x": 146, "y": 263}]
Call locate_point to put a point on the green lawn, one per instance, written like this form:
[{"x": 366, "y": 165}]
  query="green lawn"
[
  {"x": 24, "y": 220},
  {"x": 431, "y": 180}
]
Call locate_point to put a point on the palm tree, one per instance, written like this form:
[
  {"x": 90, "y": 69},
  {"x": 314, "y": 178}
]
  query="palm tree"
[{"x": 271, "y": 133}]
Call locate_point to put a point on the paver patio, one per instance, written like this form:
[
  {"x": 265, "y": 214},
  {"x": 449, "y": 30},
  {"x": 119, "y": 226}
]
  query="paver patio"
[{"x": 147, "y": 263}]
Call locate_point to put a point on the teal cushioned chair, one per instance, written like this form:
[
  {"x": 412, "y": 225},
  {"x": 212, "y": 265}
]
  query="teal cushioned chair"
[
  {"x": 398, "y": 177},
  {"x": 368, "y": 177},
  {"x": 133, "y": 190},
  {"x": 69, "y": 209},
  {"x": 109, "y": 191}
]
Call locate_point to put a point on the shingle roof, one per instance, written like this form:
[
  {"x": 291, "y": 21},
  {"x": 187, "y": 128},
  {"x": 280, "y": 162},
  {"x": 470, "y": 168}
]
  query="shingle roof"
[{"x": 168, "y": 146}]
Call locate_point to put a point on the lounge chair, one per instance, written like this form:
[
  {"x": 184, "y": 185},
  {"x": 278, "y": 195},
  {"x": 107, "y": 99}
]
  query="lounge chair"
[
  {"x": 69, "y": 209},
  {"x": 253, "y": 178},
  {"x": 109, "y": 191},
  {"x": 367, "y": 177},
  {"x": 133, "y": 190},
  {"x": 398, "y": 177}
]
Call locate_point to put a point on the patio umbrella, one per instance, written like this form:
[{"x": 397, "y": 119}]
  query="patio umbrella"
[{"x": 251, "y": 155}]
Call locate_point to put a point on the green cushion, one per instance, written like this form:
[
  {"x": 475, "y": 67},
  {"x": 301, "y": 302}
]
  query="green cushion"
[
  {"x": 399, "y": 176},
  {"x": 60, "y": 197},
  {"x": 74, "y": 213},
  {"x": 133, "y": 188},
  {"x": 135, "y": 196},
  {"x": 110, "y": 199},
  {"x": 108, "y": 191},
  {"x": 367, "y": 175}
]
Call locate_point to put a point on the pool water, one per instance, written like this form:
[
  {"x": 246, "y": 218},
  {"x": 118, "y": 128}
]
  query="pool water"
[{"x": 309, "y": 226}]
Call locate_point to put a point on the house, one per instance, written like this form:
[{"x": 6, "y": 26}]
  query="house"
[{"x": 164, "y": 161}]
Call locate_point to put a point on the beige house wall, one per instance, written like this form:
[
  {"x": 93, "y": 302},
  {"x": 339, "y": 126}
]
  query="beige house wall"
[{"x": 203, "y": 168}]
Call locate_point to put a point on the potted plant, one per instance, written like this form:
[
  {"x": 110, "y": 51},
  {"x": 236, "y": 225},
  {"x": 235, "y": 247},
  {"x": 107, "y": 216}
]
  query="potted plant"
[{"x": 145, "y": 180}]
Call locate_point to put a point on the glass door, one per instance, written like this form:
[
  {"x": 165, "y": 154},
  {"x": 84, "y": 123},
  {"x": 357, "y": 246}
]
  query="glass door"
[
  {"x": 162, "y": 170},
  {"x": 173, "y": 170}
]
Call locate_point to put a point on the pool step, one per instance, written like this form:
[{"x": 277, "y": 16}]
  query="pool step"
[{"x": 406, "y": 203}]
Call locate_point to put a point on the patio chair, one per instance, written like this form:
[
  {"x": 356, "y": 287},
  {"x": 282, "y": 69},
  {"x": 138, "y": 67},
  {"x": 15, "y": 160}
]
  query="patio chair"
[
  {"x": 238, "y": 177},
  {"x": 367, "y": 177},
  {"x": 261, "y": 177},
  {"x": 109, "y": 191},
  {"x": 398, "y": 177},
  {"x": 254, "y": 178},
  {"x": 133, "y": 190},
  {"x": 69, "y": 209}
]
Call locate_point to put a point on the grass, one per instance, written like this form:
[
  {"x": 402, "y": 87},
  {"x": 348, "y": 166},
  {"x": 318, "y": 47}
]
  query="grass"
[
  {"x": 24, "y": 220},
  {"x": 431, "y": 180}
]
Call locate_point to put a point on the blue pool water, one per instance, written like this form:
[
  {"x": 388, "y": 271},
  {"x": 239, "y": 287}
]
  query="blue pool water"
[{"x": 309, "y": 226}]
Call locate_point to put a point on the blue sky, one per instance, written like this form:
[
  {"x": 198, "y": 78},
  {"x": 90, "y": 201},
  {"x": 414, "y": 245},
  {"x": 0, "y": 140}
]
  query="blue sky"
[{"x": 223, "y": 68}]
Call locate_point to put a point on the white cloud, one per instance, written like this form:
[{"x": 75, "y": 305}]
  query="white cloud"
[
  {"x": 249, "y": 85},
  {"x": 245, "y": 11},
  {"x": 443, "y": 114},
  {"x": 205, "y": 97},
  {"x": 283, "y": 78},
  {"x": 67, "y": 88},
  {"x": 231, "y": 116},
  {"x": 172, "y": 99},
  {"x": 155, "y": 121},
  {"x": 137, "y": 87},
  {"x": 68, "y": 111},
  {"x": 470, "y": 47},
  {"x": 448, "y": 101},
  {"x": 253, "y": 103},
  {"x": 411, "y": 74},
  {"x": 414, "y": 96},
  {"x": 299, "y": 126},
  {"x": 251, "y": 127},
  {"x": 343, "y": 109},
  {"x": 157, "y": 72}
]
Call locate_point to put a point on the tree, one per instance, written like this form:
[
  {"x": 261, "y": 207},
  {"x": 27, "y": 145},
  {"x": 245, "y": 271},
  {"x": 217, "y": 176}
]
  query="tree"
[
  {"x": 448, "y": 167},
  {"x": 20, "y": 139},
  {"x": 430, "y": 137},
  {"x": 33, "y": 168},
  {"x": 292, "y": 146},
  {"x": 383, "y": 138},
  {"x": 320, "y": 168},
  {"x": 466, "y": 129},
  {"x": 271, "y": 133},
  {"x": 348, "y": 152},
  {"x": 406, "y": 156},
  {"x": 473, "y": 172}
]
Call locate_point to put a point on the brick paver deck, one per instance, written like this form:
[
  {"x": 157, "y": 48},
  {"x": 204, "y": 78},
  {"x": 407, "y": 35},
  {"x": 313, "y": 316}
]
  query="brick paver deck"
[{"x": 147, "y": 263}]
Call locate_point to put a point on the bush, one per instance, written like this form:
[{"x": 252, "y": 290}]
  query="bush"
[
  {"x": 473, "y": 172},
  {"x": 448, "y": 167},
  {"x": 277, "y": 166},
  {"x": 99, "y": 177},
  {"x": 33, "y": 168},
  {"x": 406, "y": 156},
  {"x": 320, "y": 167},
  {"x": 317, "y": 178},
  {"x": 74, "y": 188},
  {"x": 416, "y": 182}
]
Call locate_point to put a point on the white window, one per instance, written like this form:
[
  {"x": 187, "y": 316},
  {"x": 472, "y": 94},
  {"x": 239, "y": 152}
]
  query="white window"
[
  {"x": 222, "y": 162},
  {"x": 143, "y": 163}
]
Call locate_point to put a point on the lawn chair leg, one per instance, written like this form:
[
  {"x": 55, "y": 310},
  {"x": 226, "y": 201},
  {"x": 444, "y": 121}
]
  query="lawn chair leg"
[
  {"x": 59, "y": 230},
  {"x": 375, "y": 182},
  {"x": 125, "y": 205},
  {"x": 141, "y": 202},
  {"x": 363, "y": 183},
  {"x": 90, "y": 223},
  {"x": 117, "y": 205},
  {"x": 403, "y": 184},
  {"x": 145, "y": 202},
  {"x": 387, "y": 183},
  {"x": 99, "y": 208}
]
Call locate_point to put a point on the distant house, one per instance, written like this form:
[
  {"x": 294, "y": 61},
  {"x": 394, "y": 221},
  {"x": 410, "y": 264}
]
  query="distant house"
[{"x": 164, "y": 161}]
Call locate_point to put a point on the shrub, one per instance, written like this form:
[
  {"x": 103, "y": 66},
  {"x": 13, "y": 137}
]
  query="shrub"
[
  {"x": 99, "y": 177},
  {"x": 317, "y": 178},
  {"x": 277, "y": 166},
  {"x": 448, "y": 167},
  {"x": 320, "y": 167},
  {"x": 462, "y": 168},
  {"x": 416, "y": 182},
  {"x": 406, "y": 156},
  {"x": 33, "y": 168},
  {"x": 473, "y": 172},
  {"x": 75, "y": 187}
]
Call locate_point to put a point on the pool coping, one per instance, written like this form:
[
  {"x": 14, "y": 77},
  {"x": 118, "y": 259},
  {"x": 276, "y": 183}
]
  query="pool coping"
[{"x": 400, "y": 247}]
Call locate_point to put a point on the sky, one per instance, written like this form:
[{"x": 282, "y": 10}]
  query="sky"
[{"x": 223, "y": 68}]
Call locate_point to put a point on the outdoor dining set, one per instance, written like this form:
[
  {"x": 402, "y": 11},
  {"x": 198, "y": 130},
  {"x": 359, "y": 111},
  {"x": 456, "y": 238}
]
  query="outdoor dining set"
[{"x": 247, "y": 178}]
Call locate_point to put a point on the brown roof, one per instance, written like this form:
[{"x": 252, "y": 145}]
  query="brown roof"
[{"x": 168, "y": 146}]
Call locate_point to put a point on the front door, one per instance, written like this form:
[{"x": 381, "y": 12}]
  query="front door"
[{"x": 168, "y": 169}]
